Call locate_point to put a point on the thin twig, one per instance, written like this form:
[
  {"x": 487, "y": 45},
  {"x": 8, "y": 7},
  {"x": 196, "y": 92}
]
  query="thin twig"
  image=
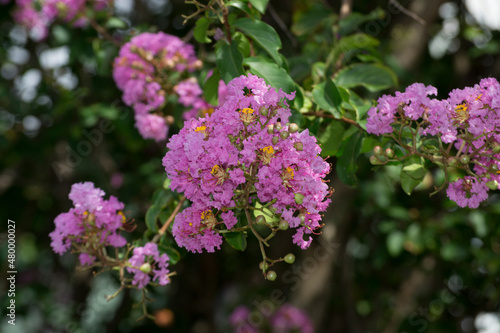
[
  {"x": 103, "y": 31},
  {"x": 408, "y": 12},
  {"x": 164, "y": 228},
  {"x": 331, "y": 116}
]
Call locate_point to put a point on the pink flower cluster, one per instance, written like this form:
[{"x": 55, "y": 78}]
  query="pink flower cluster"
[
  {"x": 146, "y": 262},
  {"x": 144, "y": 70},
  {"x": 91, "y": 220},
  {"x": 244, "y": 145},
  {"x": 469, "y": 119},
  {"x": 285, "y": 319},
  {"x": 38, "y": 15}
]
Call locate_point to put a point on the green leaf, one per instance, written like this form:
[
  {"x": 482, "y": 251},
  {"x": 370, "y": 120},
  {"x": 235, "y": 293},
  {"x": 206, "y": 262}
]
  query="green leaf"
[
  {"x": 200, "y": 30},
  {"x": 173, "y": 254},
  {"x": 263, "y": 34},
  {"x": 260, "y": 5},
  {"x": 374, "y": 77},
  {"x": 211, "y": 88},
  {"x": 61, "y": 34},
  {"x": 306, "y": 21},
  {"x": 328, "y": 97},
  {"x": 331, "y": 139},
  {"x": 274, "y": 75},
  {"x": 357, "y": 41},
  {"x": 395, "y": 243},
  {"x": 240, "y": 5},
  {"x": 229, "y": 61},
  {"x": 237, "y": 240},
  {"x": 346, "y": 164},
  {"x": 116, "y": 23},
  {"x": 151, "y": 217},
  {"x": 412, "y": 174},
  {"x": 349, "y": 24}
]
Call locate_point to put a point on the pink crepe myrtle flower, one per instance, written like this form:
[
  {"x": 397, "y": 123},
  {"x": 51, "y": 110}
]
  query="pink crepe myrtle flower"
[
  {"x": 209, "y": 158},
  {"x": 148, "y": 265},
  {"x": 91, "y": 216}
]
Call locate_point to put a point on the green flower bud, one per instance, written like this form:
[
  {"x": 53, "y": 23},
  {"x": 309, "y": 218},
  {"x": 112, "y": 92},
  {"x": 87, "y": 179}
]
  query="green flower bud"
[
  {"x": 260, "y": 219},
  {"x": 377, "y": 150},
  {"x": 299, "y": 198},
  {"x": 452, "y": 161},
  {"x": 271, "y": 275},
  {"x": 290, "y": 258},
  {"x": 283, "y": 225},
  {"x": 299, "y": 146},
  {"x": 492, "y": 185},
  {"x": 464, "y": 159},
  {"x": 284, "y": 135},
  {"x": 293, "y": 128},
  {"x": 374, "y": 160},
  {"x": 263, "y": 266},
  {"x": 494, "y": 168},
  {"x": 275, "y": 140},
  {"x": 270, "y": 129},
  {"x": 145, "y": 268},
  {"x": 496, "y": 149},
  {"x": 389, "y": 153},
  {"x": 264, "y": 111},
  {"x": 302, "y": 218},
  {"x": 278, "y": 126}
]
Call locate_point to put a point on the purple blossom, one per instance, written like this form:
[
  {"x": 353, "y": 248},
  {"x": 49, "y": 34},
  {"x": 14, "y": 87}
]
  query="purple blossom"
[
  {"x": 148, "y": 265},
  {"x": 91, "y": 215},
  {"x": 211, "y": 157},
  {"x": 151, "y": 126},
  {"x": 467, "y": 192}
]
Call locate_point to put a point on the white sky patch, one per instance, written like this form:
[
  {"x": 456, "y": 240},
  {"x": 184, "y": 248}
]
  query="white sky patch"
[{"x": 486, "y": 12}]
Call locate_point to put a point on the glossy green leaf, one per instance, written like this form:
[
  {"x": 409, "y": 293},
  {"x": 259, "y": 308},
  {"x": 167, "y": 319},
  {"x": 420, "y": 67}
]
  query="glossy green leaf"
[
  {"x": 200, "y": 30},
  {"x": 374, "y": 77},
  {"x": 260, "y": 5},
  {"x": 346, "y": 163},
  {"x": 229, "y": 61},
  {"x": 359, "y": 41},
  {"x": 331, "y": 139},
  {"x": 211, "y": 88},
  {"x": 327, "y": 96},
  {"x": 351, "y": 22},
  {"x": 307, "y": 21},
  {"x": 173, "y": 255},
  {"x": 241, "y": 5},
  {"x": 274, "y": 75},
  {"x": 263, "y": 34},
  {"x": 412, "y": 174},
  {"x": 151, "y": 217}
]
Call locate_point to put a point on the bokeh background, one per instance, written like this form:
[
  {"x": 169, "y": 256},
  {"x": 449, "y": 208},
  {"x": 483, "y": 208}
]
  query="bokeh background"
[{"x": 386, "y": 262}]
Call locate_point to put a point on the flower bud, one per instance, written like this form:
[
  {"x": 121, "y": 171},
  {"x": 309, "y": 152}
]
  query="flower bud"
[
  {"x": 145, "y": 268},
  {"x": 377, "y": 150},
  {"x": 464, "y": 159},
  {"x": 278, "y": 126},
  {"x": 271, "y": 275},
  {"x": 260, "y": 219},
  {"x": 389, "y": 153},
  {"x": 299, "y": 146},
  {"x": 302, "y": 218},
  {"x": 290, "y": 258},
  {"x": 293, "y": 128},
  {"x": 492, "y": 185},
  {"x": 452, "y": 161},
  {"x": 264, "y": 111},
  {"x": 284, "y": 135},
  {"x": 374, "y": 160},
  {"x": 299, "y": 198},
  {"x": 496, "y": 149},
  {"x": 283, "y": 225},
  {"x": 494, "y": 168},
  {"x": 270, "y": 129},
  {"x": 275, "y": 140},
  {"x": 263, "y": 266}
]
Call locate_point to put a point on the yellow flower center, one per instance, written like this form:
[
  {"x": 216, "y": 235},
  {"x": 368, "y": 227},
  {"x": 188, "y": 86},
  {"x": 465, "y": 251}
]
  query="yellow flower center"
[
  {"x": 124, "y": 219},
  {"x": 200, "y": 128},
  {"x": 208, "y": 111},
  {"x": 215, "y": 169},
  {"x": 268, "y": 150},
  {"x": 290, "y": 172},
  {"x": 206, "y": 214},
  {"x": 247, "y": 111}
]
